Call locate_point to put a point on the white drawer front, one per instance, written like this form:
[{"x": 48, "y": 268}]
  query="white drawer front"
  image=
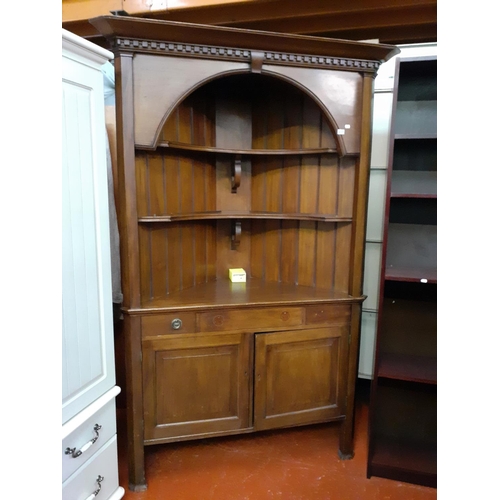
[
  {"x": 83, "y": 482},
  {"x": 81, "y": 438}
]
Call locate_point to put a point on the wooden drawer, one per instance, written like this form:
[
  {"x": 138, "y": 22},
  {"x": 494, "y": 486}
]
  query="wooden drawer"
[
  {"x": 164, "y": 324},
  {"x": 328, "y": 314},
  {"x": 83, "y": 482},
  {"x": 254, "y": 319},
  {"x": 80, "y": 439}
]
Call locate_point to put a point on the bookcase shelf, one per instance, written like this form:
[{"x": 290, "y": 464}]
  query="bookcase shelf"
[{"x": 402, "y": 428}]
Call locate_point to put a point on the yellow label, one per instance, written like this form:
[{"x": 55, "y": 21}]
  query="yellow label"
[{"x": 237, "y": 275}]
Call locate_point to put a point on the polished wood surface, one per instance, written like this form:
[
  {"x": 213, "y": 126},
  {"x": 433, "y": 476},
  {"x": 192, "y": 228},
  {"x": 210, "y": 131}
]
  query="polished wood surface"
[
  {"x": 390, "y": 21},
  {"x": 298, "y": 376},
  {"x": 214, "y": 395},
  {"x": 268, "y": 172}
]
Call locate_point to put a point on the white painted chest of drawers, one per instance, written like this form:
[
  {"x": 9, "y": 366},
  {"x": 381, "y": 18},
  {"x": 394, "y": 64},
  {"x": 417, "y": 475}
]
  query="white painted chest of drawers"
[{"x": 89, "y": 449}]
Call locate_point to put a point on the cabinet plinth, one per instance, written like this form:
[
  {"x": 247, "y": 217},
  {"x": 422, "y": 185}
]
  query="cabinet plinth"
[{"x": 251, "y": 154}]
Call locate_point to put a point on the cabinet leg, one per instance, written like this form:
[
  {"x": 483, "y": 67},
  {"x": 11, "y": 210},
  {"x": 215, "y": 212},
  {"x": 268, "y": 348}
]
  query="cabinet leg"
[
  {"x": 346, "y": 441},
  {"x": 136, "y": 472},
  {"x": 346, "y": 438},
  {"x": 135, "y": 419}
]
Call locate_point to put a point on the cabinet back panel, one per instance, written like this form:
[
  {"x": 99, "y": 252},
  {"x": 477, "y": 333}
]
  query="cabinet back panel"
[
  {"x": 176, "y": 256},
  {"x": 415, "y": 154},
  {"x": 406, "y": 412},
  {"x": 301, "y": 252},
  {"x": 409, "y": 327},
  {"x": 168, "y": 184},
  {"x": 193, "y": 121}
]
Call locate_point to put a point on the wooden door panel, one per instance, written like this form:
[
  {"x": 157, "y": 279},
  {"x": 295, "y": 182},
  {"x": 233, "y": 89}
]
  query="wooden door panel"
[
  {"x": 196, "y": 384},
  {"x": 300, "y": 376}
]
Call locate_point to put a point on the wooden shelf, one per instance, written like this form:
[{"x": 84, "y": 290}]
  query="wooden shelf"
[
  {"x": 410, "y": 368},
  {"x": 403, "y": 406},
  {"x": 242, "y": 215},
  {"x": 404, "y": 461},
  {"x": 414, "y": 136},
  {"x": 224, "y": 293},
  {"x": 177, "y": 146},
  {"x": 411, "y": 274},
  {"x": 413, "y": 184}
]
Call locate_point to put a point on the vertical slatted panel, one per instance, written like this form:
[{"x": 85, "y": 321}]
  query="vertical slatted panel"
[
  {"x": 211, "y": 251},
  {"x": 200, "y": 253},
  {"x": 187, "y": 254},
  {"x": 292, "y": 139},
  {"x": 259, "y": 140},
  {"x": 155, "y": 176},
  {"x": 273, "y": 199},
  {"x": 200, "y": 167},
  {"x": 274, "y": 255},
  {"x": 289, "y": 245},
  {"x": 199, "y": 131},
  {"x": 342, "y": 257},
  {"x": 346, "y": 186},
  {"x": 140, "y": 179},
  {"x": 328, "y": 185},
  {"x": 210, "y": 176},
  {"x": 327, "y": 138},
  {"x": 329, "y": 171},
  {"x": 258, "y": 249},
  {"x": 174, "y": 257},
  {"x": 145, "y": 262},
  {"x": 309, "y": 176},
  {"x": 172, "y": 184},
  {"x": 306, "y": 274},
  {"x": 169, "y": 131},
  {"x": 185, "y": 134},
  {"x": 158, "y": 265},
  {"x": 193, "y": 122},
  {"x": 325, "y": 244}
]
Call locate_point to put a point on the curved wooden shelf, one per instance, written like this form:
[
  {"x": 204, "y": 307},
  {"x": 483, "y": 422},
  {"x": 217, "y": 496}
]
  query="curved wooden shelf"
[
  {"x": 254, "y": 292},
  {"x": 242, "y": 215},
  {"x": 244, "y": 152}
]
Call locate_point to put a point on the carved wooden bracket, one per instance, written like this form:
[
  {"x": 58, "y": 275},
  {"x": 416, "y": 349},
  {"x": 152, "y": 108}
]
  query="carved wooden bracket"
[
  {"x": 236, "y": 174},
  {"x": 235, "y": 235},
  {"x": 257, "y": 59}
]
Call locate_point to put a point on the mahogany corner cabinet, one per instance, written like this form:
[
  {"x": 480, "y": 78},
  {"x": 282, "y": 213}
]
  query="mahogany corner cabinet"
[{"x": 239, "y": 149}]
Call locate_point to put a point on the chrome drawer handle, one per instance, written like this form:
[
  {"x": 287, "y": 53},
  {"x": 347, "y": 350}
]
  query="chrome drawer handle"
[
  {"x": 76, "y": 453},
  {"x": 99, "y": 480}
]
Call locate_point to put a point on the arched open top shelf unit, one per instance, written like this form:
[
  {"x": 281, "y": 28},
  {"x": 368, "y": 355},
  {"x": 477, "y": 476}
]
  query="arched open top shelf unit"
[{"x": 240, "y": 149}]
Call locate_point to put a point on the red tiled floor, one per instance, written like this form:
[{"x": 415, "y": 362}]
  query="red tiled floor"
[{"x": 291, "y": 464}]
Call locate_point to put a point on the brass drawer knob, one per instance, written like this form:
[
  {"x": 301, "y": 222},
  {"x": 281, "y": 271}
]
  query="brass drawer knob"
[
  {"x": 285, "y": 316},
  {"x": 218, "y": 320},
  {"x": 176, "y": 324}
]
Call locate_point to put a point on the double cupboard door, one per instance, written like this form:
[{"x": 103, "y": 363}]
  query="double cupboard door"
[{"x": 209, "y": 384}]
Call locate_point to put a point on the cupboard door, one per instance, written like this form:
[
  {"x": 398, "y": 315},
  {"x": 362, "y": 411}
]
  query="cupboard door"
[
  {"x": 196, "y": 385},
  {"x": 88, "y": 366},
  {"x": 300, "y": 376}
]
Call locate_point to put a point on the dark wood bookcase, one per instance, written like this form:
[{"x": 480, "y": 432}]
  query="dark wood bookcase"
[
  {"x": 239, "y": 149},
  {"x": 403, "y": 428}
]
